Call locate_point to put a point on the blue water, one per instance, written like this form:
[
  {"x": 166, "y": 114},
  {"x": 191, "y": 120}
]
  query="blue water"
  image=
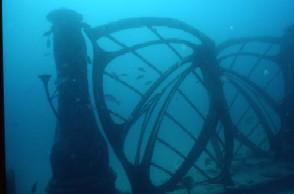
[{"x": 29, "y": 122}]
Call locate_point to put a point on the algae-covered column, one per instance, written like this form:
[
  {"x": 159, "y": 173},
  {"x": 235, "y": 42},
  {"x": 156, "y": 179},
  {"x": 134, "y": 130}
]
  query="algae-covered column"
[
  {"x": 286, "y": 61},
  {"x": 79, "y": 156}
]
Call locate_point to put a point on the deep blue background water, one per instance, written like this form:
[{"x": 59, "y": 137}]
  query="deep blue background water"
[{"x": 29, "y": 121}]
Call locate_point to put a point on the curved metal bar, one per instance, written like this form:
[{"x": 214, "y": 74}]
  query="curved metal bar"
[
  {"x": 161, "y": 41},
  {"x": 167, "y": 43},
  {"x": 254, "y": 148},
  {"x": 155, "y": 129},
  {"x": 207, "y": 130},
  {"x": 255, "y": 87},
  {"x": 162, "y": 168},
  {"x": 258, "y": 61},
  {"x": 191, "y": 136},
  {"x": 236, "y": 56},
  {"x": 134, "y": 52},
  {"x": 239, "y": 121},
  {"x": 151, "y": 43},
  {"x": 212, "y": 77},
  {"x": 246, "y": 142},
  {"x": 269, "y": 40},
  {"x": 268, "y": 99},
  {"x": 194, "y": 47},
  {"x": 146, "y": 21},
  {"x": 153, "y": 67},
  {"x": 258, "y": 112},
  {"x": 195, "y": 151},
  {"x": 143, "y": 129},
  {"x": 191, "y": 104},
  {"x": 151, "y": 90},
  {"x": 125, "y": 84},
  {"x": 270, "y": 58},
  {"x": 217, "y": 146},
  {"x": 45, "y": 80},
  {"x": 180, "y": 154},
  {"x": 117, "y": 115},
  {"x": 262, "y": 39},
  {"x": 116, "y": 133}
]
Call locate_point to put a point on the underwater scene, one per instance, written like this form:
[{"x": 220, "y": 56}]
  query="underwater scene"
[{"x": 149, "y": 97}]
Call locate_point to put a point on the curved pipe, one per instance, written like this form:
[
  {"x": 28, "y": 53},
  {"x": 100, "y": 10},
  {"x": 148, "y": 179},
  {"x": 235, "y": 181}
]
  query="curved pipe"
[
  {"x": 45, "y": 78},
  {"x": 130, "y": 23},
  {"x": 263, "y": 39}
]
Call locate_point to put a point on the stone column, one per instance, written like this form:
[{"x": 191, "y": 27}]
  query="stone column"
[{"x": 79, "y": 156}]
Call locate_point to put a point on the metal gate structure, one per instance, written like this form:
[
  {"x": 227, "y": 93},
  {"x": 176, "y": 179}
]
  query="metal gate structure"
[
  {"x": 259, "y": 98},
  {"x": 199, "y": 95},
  {"x": 220, "y": 136}
]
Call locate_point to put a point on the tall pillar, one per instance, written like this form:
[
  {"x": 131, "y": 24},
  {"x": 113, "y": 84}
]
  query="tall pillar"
[{"x": 79, "y": 156}]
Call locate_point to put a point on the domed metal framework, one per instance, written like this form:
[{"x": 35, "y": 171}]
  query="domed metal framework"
[
  {"x": 253, "y": 83},
  {"x": 217, "y": 133},
  {"x": 159, "y": 95}
]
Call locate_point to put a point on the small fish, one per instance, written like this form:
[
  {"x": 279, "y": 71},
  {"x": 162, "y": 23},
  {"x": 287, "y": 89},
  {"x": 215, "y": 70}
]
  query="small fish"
[
  {"x": 141, "y": 69},
  {"x": 115, "y": 76},
  {"x": 112, "y": 99},
  {"x": 139, "y": 77},
  {"x": 123, "y": 74},
  {"x": 34, "y": 187},
  {"x": 148, "y": 83}
]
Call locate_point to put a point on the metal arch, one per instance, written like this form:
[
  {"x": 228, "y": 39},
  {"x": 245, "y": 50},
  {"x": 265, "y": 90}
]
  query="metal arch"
[
  {"x": 198, "y": 147},
  {"x": 123, "y": 24},
  {"x": 246, "y": 40},
  {"x": 177, "y": 176},
  {"x": 116, "y": 133},
  {"x": 259, "y": 92},
  {"x": 249, "y": 89}
]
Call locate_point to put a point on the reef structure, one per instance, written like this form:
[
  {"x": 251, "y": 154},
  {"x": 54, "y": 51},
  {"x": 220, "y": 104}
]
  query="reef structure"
[{"x": 79, "y": 156}]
